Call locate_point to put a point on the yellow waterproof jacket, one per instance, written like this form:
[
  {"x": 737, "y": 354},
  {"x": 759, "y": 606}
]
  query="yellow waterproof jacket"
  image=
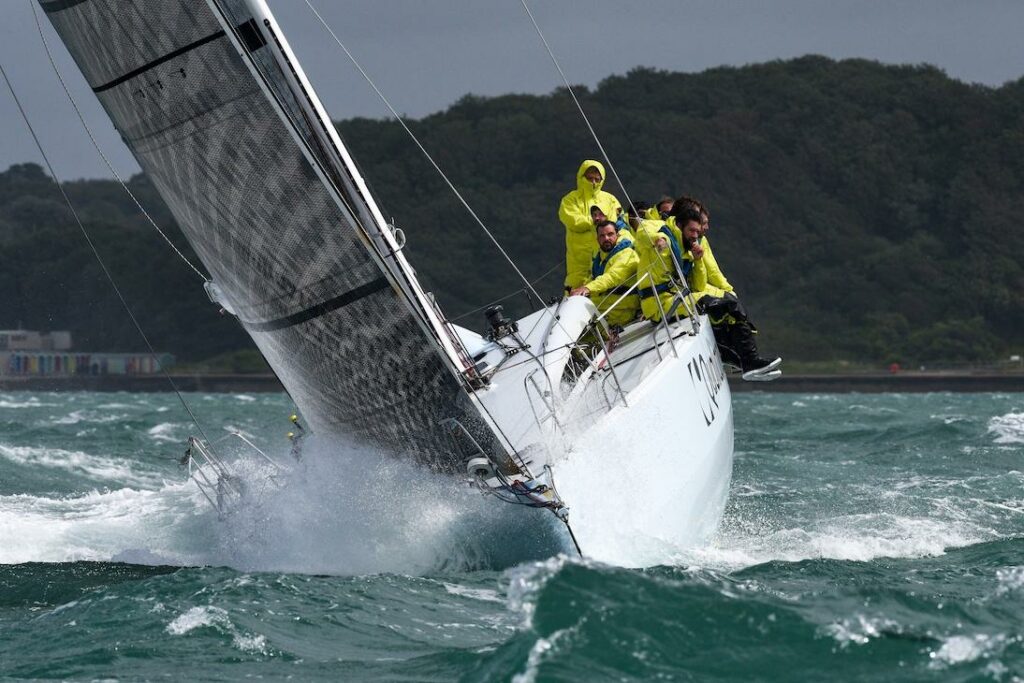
[
  {"x": 658, "y": 264},
  {"x": 714, "y": 274},
  {"x": 698, "y": 280},
  {"x": 612, "y": 274},
  {"x": 580, "y": 235},
  {"x": 652, "y": 214}
]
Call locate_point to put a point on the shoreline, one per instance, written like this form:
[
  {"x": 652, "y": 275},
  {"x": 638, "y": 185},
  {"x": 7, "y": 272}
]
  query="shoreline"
[{"x": 868, "y": 383}]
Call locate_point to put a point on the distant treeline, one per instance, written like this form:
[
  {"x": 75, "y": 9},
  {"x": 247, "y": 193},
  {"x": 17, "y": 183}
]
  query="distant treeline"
[{"x": 864, "y": 212}]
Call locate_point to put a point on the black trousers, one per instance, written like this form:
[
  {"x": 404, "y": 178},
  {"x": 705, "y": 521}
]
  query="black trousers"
[{"x": 734, "y": 333}]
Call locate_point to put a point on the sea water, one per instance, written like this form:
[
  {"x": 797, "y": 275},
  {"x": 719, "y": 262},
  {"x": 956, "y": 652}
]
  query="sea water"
[{"x": 867, "y": 537}]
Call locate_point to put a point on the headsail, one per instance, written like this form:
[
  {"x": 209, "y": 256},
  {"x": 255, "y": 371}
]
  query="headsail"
[{"x": 217, "y": 111}]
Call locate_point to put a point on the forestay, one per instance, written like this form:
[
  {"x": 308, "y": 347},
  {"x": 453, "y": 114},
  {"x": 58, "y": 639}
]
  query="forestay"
[{"x": 216, "y": 110}]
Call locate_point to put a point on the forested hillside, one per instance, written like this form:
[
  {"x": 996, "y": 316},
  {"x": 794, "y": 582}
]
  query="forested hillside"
[{"x": 864, "y": 212}]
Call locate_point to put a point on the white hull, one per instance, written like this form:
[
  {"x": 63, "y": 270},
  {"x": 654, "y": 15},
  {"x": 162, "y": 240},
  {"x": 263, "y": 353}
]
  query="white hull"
[
  {"x": 642, "y": 454},
  {"x": 671, "y": 467}
]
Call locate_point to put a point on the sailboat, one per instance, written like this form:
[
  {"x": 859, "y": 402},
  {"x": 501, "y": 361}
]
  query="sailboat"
[{"x": 214, "y": 105}]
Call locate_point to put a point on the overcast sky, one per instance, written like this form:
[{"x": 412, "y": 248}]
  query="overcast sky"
[{"x": 425, "y": 55}]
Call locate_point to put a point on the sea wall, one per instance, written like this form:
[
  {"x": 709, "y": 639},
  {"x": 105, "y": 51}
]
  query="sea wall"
[{"x": 912, "y": 382}]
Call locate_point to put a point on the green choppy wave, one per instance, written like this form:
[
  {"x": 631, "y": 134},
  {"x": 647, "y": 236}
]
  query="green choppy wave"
[{"x": 867, "y": 538}]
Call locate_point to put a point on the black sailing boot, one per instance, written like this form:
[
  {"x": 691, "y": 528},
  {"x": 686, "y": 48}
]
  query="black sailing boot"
[
  {"x": 723, "y": 339},
  {"x": 755, "y": 368}
]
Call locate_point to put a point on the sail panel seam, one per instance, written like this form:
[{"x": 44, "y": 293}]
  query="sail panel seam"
[
  {"x": 158, "y": 61},
  {"x": 59, "y": 5},
  {"x": 320, "y": 309}
]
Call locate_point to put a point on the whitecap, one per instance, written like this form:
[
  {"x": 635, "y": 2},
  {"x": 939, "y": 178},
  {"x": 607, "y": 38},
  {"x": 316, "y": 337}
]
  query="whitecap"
[
  {"x": 962, "y": 649},
  {"x": 165, "y": 432},
  {"x": 249, "y": 642},
  {"x": 209, "y": 616},
  {"x": 76, "y": 416},
  {"x": 98, "y": 526},
  {"x": 860, "y": 629},
  {"x": 540, "y": 651},
  {"x": 481, "y": 594},
  {"x": 1008, "y": 428},
  {"x": 1011, "y": 579},
  {"x": 526, "y": 581},
  {"x": 198, "y": 617},
  {"x": 77, "y": 462},
  {"x": 861, "y": 537},
  {"x": 32, "y": 402}
]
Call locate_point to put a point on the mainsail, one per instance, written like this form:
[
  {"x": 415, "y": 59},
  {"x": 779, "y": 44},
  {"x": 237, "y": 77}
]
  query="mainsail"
[{"x": 215, "y": 108}]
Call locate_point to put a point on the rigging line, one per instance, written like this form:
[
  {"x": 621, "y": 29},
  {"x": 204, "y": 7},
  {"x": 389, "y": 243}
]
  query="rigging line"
[
  {"x": 507, "y": 296},
  {"x": 579, "y": 106},
  {"x": 96, "y": 144},
  {"x": 99, "y": 259},
  {"x": 423, "y": 149}
]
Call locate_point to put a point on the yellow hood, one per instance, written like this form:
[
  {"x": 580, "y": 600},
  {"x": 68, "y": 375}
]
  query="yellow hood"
[{"x": 586, "y": 188}]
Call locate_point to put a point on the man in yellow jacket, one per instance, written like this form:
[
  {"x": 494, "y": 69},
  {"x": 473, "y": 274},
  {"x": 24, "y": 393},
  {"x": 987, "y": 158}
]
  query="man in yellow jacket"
[
  {"x": 659, "y": 249},
  {"x": 734, "y": 333},
  {"x": 575, "y": 212},
  {"x": 715, "y": 275},
  {"x": 612, "y": 273}
]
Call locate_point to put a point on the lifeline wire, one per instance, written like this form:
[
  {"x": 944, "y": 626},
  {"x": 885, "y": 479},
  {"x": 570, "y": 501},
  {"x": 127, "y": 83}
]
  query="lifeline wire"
[
  {"x": 96, "y": 144},
  {"x": 96, "y": 253},
  {"x": 579, "y": 106},
  {"x": 433, "y": 163}
]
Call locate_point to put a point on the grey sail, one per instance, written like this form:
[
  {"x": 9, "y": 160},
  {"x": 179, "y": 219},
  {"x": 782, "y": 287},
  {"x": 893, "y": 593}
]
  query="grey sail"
[{"x": 212, "y": 106}]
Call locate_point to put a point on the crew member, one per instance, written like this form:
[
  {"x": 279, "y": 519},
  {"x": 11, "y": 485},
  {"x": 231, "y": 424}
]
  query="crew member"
[
  {"x": 659, "y": 250},
  {"x": 734, "y": 333},
  {"x": 621, "y": 225},
  {"x": 715, "y": 275},
  {"x": 663, "y": 209},
  {"x": 612, "y": 273},
  {"x": 575, "y": 214}
]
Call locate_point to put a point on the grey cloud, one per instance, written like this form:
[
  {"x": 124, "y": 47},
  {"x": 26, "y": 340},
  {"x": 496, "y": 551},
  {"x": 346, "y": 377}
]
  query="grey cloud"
[{"x": 425, "y": 55}]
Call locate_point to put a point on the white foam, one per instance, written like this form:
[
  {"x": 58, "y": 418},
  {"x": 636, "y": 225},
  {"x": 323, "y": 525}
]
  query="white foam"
[
  {"x": 481, "y": 594},
  {"x": 1008, "y": 428},
  {"x": 32, "y": 402},
  {"x": 526, "y": 581},
  {"x": 99, "y": 526},
  {"x": 165, "y": 431},
  {"x": 198, "y": 617},
  {"x": 76, "y": 416},
  {"x": 961, "y": 649},
  {"x": 860, "y": 629},
  {"x": 534, "y": 658},
  {"x": 860, "y": 538},
  {"x": 99, "y": 468},
  {"x": 248, "y": 642},
  {"x": 209, "y": 616},
  {"x": 1011, "y": 580},
  {"x": 350, "y": 510}
]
